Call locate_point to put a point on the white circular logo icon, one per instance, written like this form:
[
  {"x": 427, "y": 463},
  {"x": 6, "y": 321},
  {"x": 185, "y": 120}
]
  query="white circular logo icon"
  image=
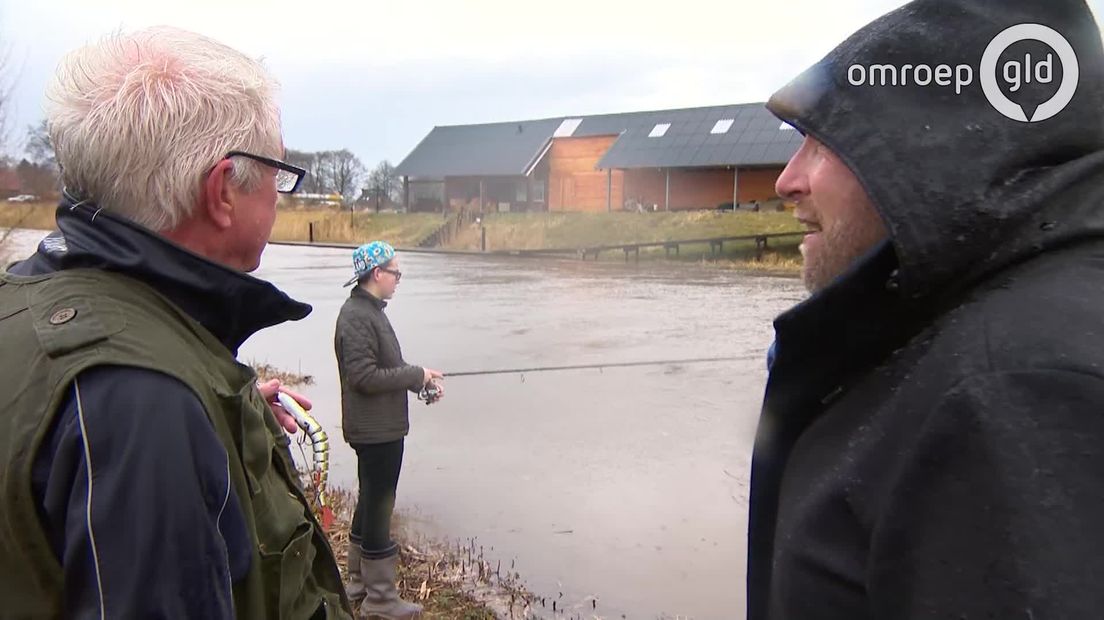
[{"x": 1025, "y": 32}]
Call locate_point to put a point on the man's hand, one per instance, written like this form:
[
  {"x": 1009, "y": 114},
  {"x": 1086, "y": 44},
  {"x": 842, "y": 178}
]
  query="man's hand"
[
  {"x": 430, "y": 375},
  {"x": 269, "y": 390}
]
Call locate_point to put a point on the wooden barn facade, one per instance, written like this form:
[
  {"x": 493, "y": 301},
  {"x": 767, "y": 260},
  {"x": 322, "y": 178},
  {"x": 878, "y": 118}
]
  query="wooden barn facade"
[{"x": 696, "y": 158}]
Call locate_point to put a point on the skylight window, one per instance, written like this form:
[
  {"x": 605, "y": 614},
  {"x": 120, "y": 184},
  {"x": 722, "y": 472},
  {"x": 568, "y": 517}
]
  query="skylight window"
[
  {"x": 659, "y": 130},
  {"x": 567, "y": 127},
  {"x": 722, "y": 126}
]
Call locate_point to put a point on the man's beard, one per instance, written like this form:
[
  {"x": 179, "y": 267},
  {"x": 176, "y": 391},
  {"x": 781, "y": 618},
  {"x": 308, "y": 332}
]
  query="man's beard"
[{"x": 839, "y": 247}]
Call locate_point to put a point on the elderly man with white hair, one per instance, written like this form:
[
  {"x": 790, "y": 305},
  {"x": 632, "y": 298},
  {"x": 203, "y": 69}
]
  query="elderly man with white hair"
[{"x": 144, "y": 473}]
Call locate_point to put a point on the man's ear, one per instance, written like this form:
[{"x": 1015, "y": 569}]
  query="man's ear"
[{"x": 219, "y": 195}]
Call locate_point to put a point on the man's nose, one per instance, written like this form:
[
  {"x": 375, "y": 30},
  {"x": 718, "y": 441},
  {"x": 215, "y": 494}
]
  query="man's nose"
[{"x": 793, "y": 184}]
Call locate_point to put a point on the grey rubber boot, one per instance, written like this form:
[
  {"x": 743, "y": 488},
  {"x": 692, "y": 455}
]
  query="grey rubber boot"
[
  {"x": 381, "y": 597},
  {"x": 355, "y": 588}
]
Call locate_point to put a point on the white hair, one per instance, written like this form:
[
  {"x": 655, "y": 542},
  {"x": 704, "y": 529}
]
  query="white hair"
[{"x": 138, "y": 120}]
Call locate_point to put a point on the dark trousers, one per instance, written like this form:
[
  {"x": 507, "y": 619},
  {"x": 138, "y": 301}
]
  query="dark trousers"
[{"x": 378, "y": 468}]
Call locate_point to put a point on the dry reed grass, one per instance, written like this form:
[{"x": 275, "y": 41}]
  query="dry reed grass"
[{"x": 398, "y": 229}]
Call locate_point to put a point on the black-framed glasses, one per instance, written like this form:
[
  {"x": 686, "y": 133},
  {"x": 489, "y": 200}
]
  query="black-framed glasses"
[
  {"x": 288, "y": 177},
  {"x": 394, "y": 272}
]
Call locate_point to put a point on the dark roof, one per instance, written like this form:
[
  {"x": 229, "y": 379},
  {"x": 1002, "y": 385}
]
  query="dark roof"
[
  {"x": 478, "y": 150},
  {"x": 508, "y": 149},
  {"x": 754, "y": 137}
]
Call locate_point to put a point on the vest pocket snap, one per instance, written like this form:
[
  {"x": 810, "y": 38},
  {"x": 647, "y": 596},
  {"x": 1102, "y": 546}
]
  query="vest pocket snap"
[{"x": 286, "y": 574}]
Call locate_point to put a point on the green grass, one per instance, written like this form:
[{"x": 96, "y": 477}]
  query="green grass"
[{"x": 527, "y": 231}]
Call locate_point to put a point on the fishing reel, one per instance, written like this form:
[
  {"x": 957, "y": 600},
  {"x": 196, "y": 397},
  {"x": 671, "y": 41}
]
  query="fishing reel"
[{"x": 430, "y": 393}]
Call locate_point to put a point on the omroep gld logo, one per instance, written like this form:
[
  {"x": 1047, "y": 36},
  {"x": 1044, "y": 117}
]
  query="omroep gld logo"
[{"x": 1017, "y": 72}]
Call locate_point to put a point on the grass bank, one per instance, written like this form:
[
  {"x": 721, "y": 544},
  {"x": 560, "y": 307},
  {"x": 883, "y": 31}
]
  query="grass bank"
[
  {"x": 535, "y": 231},
  {"x": 448, "y": 582},
  {"x": 532, "y": 231},
  {"x": 330, "y": 225}
]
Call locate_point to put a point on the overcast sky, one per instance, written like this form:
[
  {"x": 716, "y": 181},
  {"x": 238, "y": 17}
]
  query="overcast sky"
[{"x": 375, "y": 77}]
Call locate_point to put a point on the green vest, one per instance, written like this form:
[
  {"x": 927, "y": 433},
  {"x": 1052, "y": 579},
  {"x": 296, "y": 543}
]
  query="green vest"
[{"x": 52, "y": 328}]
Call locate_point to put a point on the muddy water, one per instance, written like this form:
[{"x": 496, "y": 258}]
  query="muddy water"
[{"x": 626, "y": 485}]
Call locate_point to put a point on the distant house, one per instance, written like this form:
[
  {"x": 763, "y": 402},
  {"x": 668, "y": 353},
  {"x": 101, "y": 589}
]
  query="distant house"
[{"x": 694, "y": 158}]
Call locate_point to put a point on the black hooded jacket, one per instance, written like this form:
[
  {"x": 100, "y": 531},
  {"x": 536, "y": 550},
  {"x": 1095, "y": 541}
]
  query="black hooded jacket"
[{"x": 930, "y": 443}]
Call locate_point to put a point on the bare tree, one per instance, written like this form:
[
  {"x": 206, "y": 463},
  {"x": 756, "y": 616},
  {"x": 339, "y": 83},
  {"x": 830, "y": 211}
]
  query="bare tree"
[
  {"x": 40, "y": 149},
  {"x": 384, "y": 183},
  {"x": 38, "y": 172},
  {"x": 341, "y": 172},
  {"x": 329, "y": 172},
  {"x": 312, "y": 183}
]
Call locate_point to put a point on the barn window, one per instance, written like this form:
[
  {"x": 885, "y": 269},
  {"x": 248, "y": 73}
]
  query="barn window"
[
  {"x": 722, "y": 126},
  {"x": 659, "y": 130}
]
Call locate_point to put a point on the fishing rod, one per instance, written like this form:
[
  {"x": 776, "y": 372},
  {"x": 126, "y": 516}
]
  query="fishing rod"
[
  {"x": 320, "y": 442},
  {"x": 429, "y": 392},
  {"x": 514, "y": 371}
]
